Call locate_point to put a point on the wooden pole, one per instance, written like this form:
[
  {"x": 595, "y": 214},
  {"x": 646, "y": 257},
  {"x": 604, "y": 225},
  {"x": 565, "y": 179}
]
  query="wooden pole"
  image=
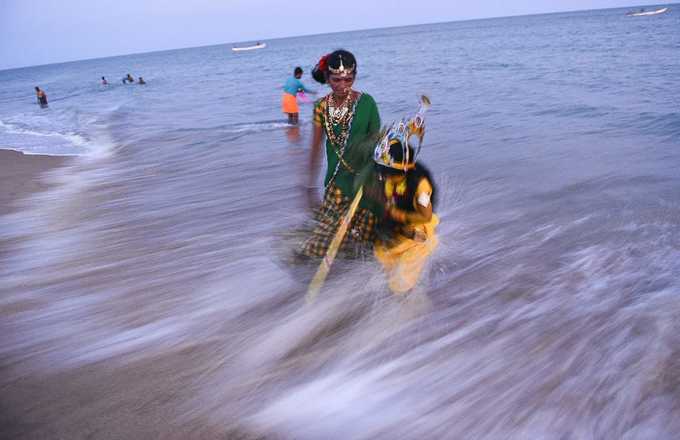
[{"x": 325, "y": 266}]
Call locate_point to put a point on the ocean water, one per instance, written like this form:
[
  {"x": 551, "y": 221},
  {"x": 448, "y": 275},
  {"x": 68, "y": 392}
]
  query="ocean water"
[{"x": 144, "y": 294}]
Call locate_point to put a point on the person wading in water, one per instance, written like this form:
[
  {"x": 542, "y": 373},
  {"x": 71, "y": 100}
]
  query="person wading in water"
[{"x": 349, "y": 121}]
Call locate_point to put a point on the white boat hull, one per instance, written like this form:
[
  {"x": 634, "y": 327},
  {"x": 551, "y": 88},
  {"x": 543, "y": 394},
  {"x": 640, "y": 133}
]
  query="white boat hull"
[
  {"x": 645, "y": 13},
  {"x": 243, "y": 49}
]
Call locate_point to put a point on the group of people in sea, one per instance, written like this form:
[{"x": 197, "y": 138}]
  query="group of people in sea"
[
  {"x": 377, "y": 194},
  {"x": 127, "y": 79},
  {"x": 394, "y": 220},
  {"x": 41, "y": 96}
]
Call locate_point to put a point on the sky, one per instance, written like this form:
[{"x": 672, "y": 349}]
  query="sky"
[{"x": 35, "y": 32}]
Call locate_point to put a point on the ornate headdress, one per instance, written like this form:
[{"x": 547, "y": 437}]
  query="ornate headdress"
[
  {"x": 401, "y": 134},
  {"x": 342, "y": 70}
]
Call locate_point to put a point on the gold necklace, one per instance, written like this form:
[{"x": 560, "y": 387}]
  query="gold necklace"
[
  {"x": 340, "y": 117},
  {"x": 338, "y": 112},
  {"x": 339, "y": 141}
]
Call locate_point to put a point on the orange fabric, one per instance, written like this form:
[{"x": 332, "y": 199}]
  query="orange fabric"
[{"x": 289, "y": 104}]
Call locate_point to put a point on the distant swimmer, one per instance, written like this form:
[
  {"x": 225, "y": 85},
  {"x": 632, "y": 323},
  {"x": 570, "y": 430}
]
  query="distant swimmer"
[
  {"x": 104, "y": 81},
  {"x": 289, "y": 101},
  {"x": 42, "y": 97},
  {"x": 141, "y": 81},
  {"x": 128, "y": 79}
]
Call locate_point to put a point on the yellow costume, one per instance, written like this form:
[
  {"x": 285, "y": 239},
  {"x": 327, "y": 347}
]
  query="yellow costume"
[
  {"x": 409, "y": 192},
  {"x": 404, "y": 257}
]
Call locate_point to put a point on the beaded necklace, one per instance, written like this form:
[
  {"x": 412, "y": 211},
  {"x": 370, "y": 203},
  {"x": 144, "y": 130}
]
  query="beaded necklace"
[{"x": 341, "y": 116}]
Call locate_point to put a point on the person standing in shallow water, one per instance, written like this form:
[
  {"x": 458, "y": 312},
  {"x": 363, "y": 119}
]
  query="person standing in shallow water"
[
  {"x": 41, "y": 96},
  {"x": 350, "y": 122},
  {"x": 104, "y": 81},
  {"x": 289, "y": 101}
]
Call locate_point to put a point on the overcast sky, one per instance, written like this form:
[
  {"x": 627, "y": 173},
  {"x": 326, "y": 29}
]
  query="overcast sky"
[{"x": 34, "y": 32}]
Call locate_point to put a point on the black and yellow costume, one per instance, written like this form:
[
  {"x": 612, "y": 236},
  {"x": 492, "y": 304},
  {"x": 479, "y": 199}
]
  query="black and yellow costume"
[
  {"x": 409, "y": 192},
  {"x": 410, "y": 239}
]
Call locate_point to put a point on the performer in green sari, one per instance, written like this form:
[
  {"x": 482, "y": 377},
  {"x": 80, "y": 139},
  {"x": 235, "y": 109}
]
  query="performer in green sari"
[{"x": 350, "y": 122}]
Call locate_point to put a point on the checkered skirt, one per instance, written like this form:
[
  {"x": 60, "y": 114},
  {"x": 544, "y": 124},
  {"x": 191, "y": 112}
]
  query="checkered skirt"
[{"x": 358, "y": 241}]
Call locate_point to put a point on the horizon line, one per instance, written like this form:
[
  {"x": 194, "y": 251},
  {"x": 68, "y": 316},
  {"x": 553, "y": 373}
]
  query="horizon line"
[{"x": 324, "y": 33}]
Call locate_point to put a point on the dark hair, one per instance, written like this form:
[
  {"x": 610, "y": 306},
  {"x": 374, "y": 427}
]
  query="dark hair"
[
  {"x": 333, "y": 60},
  {"x": 414, "y": 175},
  {"x": 397, "y": 153},
  {"x": 297, "y": 71},
  {"x": 37, "y": 88},
  {"x": 103, "y": 77}
]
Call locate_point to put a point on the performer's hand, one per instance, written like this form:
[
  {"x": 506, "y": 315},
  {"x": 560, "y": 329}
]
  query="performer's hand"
[{"x": 397, "y": 214}]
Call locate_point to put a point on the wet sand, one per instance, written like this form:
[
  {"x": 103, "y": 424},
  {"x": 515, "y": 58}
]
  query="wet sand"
[
  {"x": 20, "y": 175},
  {"x": 101, "y": 400}
]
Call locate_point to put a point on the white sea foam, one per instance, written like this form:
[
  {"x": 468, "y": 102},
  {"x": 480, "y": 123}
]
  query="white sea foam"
[{"x": 35, "y": 141}]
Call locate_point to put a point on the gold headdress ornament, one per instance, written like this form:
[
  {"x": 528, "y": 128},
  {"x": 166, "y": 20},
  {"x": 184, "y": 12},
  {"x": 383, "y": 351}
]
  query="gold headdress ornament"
[
  {"x": 401, "y": 133},
  {"x": 342, "y": 70}
]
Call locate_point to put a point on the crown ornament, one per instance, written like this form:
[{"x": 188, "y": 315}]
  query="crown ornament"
[
  {"x": 342, "y": 70},
  {"x": 403, "y": 132}
]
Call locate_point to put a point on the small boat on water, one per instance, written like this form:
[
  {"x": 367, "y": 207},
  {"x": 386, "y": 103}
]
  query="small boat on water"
[
  {"x": 642, "y": 12},
  {"x": 245, "y": 48}
]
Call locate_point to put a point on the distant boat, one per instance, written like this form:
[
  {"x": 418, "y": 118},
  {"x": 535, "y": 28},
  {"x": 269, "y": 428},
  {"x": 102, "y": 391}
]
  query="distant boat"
[
  {"x": 642, "y": 12},
  {"x": 244, "y": 48}
]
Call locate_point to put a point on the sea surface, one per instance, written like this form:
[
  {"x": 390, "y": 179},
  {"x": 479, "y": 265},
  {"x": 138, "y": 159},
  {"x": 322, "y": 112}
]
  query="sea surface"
[{"x": 146, "y": 294}]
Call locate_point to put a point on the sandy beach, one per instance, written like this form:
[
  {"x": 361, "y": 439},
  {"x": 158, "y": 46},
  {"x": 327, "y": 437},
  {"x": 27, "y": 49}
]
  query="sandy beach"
[
  {"x": 20, "y": 175},
  {"x": 98, "y": 400}
]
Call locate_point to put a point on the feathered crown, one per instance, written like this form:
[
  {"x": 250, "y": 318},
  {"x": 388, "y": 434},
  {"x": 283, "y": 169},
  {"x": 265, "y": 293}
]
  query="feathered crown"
[{"x": 401, "y": 133}]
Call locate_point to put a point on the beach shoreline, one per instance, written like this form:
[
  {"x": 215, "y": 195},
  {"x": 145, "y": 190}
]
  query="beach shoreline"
[{"x": 21, "y": 175}]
